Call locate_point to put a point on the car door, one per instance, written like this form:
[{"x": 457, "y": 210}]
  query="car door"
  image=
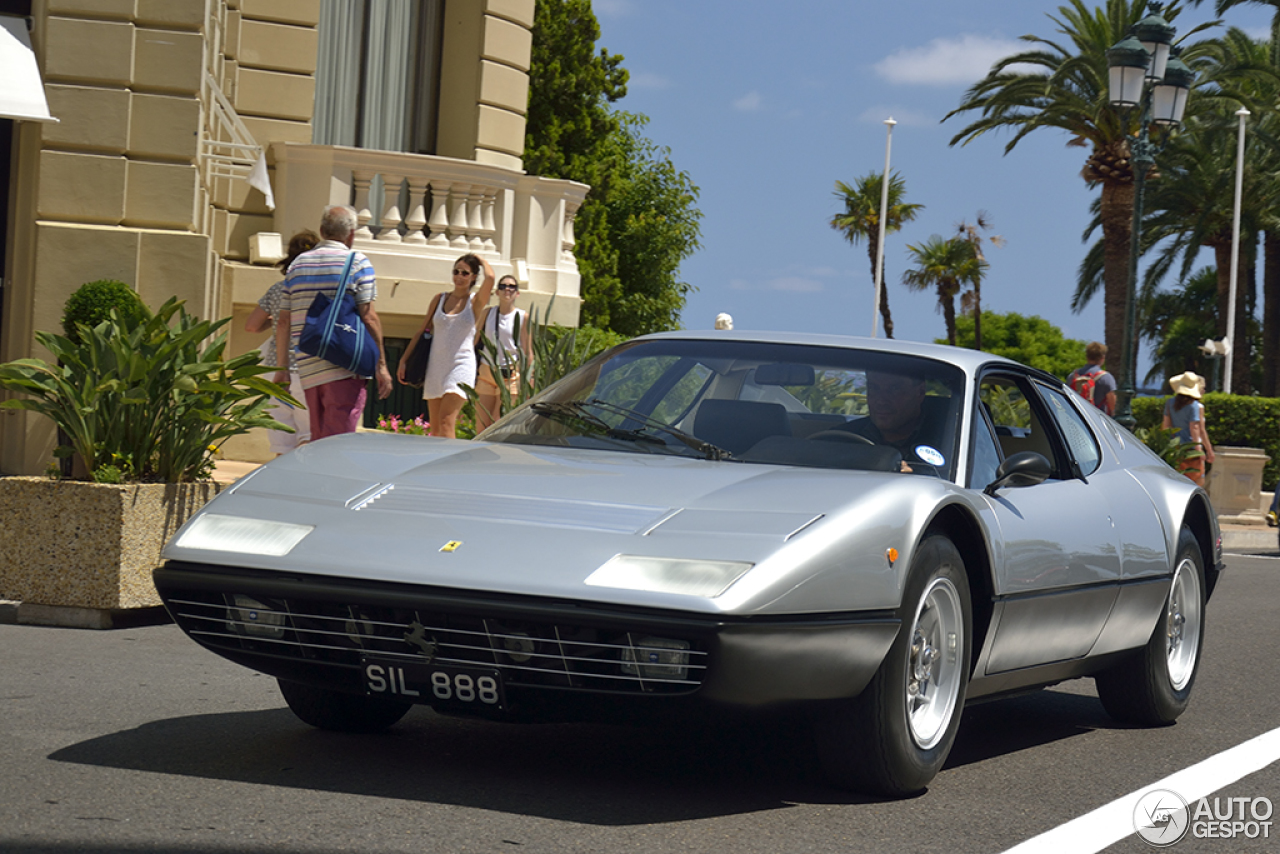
[{"x": 1057, "y": 559}]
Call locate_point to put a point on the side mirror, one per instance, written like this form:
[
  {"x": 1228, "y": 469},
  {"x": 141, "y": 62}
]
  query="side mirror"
[{"x": 1025, "y": 469}]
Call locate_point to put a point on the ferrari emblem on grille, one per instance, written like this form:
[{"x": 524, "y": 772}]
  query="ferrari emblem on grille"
[
  {"x": 417, "y": 636},
  {"x": 451, "y": 546}
]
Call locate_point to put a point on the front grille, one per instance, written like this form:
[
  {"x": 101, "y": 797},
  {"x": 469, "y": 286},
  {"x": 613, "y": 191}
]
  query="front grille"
[{"x": 528, "y": 653}]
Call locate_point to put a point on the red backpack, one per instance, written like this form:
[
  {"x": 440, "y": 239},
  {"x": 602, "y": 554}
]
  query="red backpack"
[{"x": 1084, "y": 382}]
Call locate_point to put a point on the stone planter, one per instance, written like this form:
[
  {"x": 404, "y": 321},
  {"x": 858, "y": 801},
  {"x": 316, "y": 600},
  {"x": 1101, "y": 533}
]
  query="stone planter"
[
  {"x": 1235, "y": 482},
  {"x": 77, "y": 545}
]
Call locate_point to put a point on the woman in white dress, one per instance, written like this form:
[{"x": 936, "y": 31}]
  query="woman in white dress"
[{"x": 451, "y": 318}]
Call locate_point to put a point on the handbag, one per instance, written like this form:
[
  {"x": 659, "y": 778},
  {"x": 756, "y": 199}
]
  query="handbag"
[
  {"x": 415, "y": 370},
  {"x": 335, "y": 332}
]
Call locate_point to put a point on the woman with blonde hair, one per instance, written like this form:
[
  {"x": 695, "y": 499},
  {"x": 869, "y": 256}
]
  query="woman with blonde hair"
[
  {"x": 451, "y": 319},
  {"x": 1185, "y": 412}
]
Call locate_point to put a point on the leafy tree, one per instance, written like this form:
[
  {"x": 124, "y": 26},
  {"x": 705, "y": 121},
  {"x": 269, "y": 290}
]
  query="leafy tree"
[
  {"x": 639, "y": 220},
  {"x": 945, "y": 265},
  {"x": 861, "y": 220},
  {"x": 1067, "y": 91},
  {"x": 1031, "y": 340},
  {"x": 654, "y": 226}
]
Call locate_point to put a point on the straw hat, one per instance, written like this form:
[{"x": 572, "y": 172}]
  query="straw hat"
[{"x": 1188, "y": 383}]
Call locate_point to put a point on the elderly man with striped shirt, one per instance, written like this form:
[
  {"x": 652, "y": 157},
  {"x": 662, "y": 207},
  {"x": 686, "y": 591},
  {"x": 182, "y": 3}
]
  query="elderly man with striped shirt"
[{"x": 335, "y": 396}]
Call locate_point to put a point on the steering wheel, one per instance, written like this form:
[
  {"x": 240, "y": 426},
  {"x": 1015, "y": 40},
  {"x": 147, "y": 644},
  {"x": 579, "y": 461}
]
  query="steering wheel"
[{"x": 840, "y": 436}]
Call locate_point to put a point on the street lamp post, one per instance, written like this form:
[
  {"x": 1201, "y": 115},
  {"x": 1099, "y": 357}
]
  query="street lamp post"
[{"x": 1143, "y": 75}]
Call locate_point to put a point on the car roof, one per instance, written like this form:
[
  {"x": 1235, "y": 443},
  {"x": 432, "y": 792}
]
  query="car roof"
[{"x": 970, "y": 361}]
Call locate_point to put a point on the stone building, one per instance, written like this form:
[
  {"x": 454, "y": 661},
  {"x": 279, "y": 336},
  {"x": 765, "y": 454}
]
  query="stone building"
[{"x": 413, "y": 111}]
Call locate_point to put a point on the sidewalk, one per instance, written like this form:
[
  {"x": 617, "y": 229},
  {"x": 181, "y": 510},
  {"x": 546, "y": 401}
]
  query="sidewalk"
[{"x": 227, "y": 472}]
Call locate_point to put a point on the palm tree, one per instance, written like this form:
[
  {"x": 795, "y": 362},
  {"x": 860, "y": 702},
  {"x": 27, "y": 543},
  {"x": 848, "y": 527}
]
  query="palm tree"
[
  {"x": 972, "y": 301},
  {"x": 1271, "y": 236},
  {"x": 1068, "y": 92},
  {"x": 861, "y": 219},
  {"x": 1191, "y": 205},
  {"x": 946, "y": 265}
]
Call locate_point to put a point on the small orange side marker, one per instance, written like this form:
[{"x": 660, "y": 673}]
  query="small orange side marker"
[{"x": 891, "y": 554}]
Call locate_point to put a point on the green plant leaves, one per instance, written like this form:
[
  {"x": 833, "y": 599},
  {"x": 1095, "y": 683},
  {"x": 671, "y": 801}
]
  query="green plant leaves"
[{"x": 150, "y": 399}]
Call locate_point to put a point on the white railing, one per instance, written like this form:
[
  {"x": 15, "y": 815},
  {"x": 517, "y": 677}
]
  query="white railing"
[{"x": 415, "y": 207}]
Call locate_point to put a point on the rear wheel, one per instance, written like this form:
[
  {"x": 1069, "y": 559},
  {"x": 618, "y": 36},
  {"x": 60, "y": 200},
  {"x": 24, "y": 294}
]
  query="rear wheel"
[
  {"x": 1154, "y": 686},
  {"x": 340, "y": 712},
  {"x": 893, "y": 738}
]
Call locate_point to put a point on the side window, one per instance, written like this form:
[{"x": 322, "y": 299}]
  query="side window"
[
  {"x": 1016, "y": 419},
  {"x": 986, "y": 454},
  {"x": 1072, "y": 424}
]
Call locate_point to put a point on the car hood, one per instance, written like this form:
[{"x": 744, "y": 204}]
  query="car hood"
[{"x": 538, "y": 520}]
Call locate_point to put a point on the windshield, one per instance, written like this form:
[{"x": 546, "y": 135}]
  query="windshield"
[{"x": 749, "y": 402}]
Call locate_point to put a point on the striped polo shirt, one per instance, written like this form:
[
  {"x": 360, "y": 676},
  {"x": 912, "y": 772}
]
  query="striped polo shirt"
[{"x": 319, "y": 271}]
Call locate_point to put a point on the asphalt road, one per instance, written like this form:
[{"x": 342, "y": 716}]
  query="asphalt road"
[{"x": 138, "y": 740}]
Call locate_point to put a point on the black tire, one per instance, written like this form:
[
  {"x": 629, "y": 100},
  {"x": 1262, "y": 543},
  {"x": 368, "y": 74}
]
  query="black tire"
[
  {"x": 1153, "y": 687},
  {"x": 886, "y": 741},
  {"x": 340, "y": 712}
]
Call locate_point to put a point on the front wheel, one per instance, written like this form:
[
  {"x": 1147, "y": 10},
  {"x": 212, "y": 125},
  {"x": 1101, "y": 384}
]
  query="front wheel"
[
  {"x": 1153, "y": 687},
  {"x": 340, "y": 712},
  {"x": 893, "y": 738}
]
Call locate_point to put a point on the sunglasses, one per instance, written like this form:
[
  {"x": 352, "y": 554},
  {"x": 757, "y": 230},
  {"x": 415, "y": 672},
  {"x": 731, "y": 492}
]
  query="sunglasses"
[
  {"x": 508, "y": 287},
  {"x": 463, "y": 273}
]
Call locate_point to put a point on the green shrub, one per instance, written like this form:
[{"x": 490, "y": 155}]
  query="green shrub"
[
  {"x": 1232, "y": 420},
  {"x": 92, "y": 303},
  {"x": 152, "y": 402}
]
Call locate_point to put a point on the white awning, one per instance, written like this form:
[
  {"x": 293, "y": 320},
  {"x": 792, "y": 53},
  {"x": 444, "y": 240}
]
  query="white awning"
[{"x": 21, "y": 89}]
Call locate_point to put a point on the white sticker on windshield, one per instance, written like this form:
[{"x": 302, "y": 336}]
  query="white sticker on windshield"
[{"x": 930, "y": 455}]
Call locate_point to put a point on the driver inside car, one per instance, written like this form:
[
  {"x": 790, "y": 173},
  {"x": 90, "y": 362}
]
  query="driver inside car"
[{"x": 898, "y": 417}]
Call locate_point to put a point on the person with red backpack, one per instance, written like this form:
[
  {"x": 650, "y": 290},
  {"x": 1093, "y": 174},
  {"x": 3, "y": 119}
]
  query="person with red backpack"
[{"x": 1092, "y": 382}]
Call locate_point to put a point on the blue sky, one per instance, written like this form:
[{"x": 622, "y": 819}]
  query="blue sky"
[{"x": 767, "y": 105}]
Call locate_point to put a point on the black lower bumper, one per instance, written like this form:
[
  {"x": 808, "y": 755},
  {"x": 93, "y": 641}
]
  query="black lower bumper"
[{"x": 318, "y": 630}]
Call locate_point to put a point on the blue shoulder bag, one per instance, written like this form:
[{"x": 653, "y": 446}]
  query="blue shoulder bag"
[{"x": 335, "y": 332}]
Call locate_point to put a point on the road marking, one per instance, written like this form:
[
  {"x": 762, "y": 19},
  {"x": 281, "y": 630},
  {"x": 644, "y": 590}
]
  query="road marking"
[{"x": 1112, "y": 822}]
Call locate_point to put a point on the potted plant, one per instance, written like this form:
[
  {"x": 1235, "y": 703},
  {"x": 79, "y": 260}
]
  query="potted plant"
[{"x": 144, "y": 402}]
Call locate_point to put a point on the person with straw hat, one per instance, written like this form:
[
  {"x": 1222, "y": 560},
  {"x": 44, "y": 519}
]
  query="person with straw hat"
[{"x": 1185, "y": 412}]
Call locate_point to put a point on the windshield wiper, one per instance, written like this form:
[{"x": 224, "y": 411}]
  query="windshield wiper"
[
  {"x": 575, "y": 413},
  {"x": 710, "y": 451}
]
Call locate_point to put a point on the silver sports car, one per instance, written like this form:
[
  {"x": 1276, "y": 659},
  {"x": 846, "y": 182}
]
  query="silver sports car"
[{"x": 873, "y": 533}]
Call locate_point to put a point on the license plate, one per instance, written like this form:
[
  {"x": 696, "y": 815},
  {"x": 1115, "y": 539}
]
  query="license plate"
[{"x": 473, "y": 687}]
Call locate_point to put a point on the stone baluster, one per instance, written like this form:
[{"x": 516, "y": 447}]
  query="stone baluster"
[
  {"x": 490, "y": 229},
  {"x": 475, "y": 219},
  {"x": 458, "y": 219},
  {"x": 439, "y": 221},
  {"x": 391, "y": 216},
  {"x": 362, "y": 180},
  {"x": 567, "y": 239},
  {"x": 417, "y": 218}
]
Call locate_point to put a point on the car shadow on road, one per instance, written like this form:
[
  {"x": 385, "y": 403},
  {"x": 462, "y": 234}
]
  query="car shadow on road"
[{"x": 593, "y": 774}]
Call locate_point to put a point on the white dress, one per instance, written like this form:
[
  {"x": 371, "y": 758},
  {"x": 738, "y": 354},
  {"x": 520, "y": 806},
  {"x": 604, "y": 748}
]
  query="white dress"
[{"x": 453, "y": 352}]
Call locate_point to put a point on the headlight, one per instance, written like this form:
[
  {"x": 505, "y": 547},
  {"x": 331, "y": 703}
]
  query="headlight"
[
  {"x": 215, "y": 533},
  {"x": 707, "y": 578}
]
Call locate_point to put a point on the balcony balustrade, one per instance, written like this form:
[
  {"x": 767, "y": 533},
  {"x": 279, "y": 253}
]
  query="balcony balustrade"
[{"x": 417, "y": 213}]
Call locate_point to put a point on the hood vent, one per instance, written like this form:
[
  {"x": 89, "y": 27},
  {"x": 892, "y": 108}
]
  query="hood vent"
[{"x": 552, "y": 512}]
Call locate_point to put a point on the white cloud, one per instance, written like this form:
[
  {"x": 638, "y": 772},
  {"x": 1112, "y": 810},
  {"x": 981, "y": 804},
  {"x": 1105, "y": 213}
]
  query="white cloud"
[
  {"x": 944, "y": 62},
  {"x": 648, "y": 80},
  {"x": 748, "y": 103}
]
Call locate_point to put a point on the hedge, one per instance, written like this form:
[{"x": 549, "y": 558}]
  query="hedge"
[{"x": 1233, "y": 421}]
